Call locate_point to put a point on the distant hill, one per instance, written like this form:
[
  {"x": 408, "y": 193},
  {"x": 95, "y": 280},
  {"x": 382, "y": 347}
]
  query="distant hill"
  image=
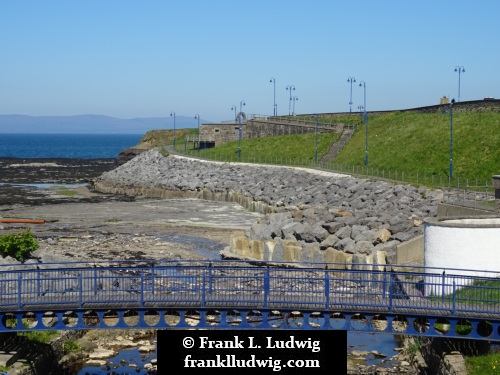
[{"x": 91, "y": 124}]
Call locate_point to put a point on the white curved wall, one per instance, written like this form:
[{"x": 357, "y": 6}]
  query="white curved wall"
[{"x": 470, "y": 245}]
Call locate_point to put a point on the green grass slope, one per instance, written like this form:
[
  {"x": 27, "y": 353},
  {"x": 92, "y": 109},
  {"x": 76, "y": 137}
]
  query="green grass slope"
[
  {"x": 413, "y": 142},
  {"x": 406, "y": 142}
]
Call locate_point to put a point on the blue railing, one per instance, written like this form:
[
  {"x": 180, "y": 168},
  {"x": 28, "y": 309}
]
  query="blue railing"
[{"x": 235, "y": 285}]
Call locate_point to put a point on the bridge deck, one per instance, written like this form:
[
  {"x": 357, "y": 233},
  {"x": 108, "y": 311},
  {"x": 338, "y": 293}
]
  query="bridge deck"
[{"x": 236, "y": 286}]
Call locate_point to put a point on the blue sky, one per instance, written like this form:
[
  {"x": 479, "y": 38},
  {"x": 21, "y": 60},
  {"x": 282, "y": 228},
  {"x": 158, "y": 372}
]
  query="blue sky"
[{"x": 128, "y": 59}]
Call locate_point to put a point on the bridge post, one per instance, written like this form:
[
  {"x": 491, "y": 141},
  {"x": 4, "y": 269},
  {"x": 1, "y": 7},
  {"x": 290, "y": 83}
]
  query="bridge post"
[
  {"x": 442, "y": 287},
  {"x": 327, "y": 289},
  {"x": 202, "y": 286},
  {"x": 390, "y": 294},
  {"x": 266, "y": 286},
  {"x": 142, "y": 288},
  {"x": 454, "y": 302},
  {"x": 80, "y": 289},
  {"x": 210, "y": 278},
  {"x": 38, "y": 282},
  {"x": 95, "y": 279},
  {"x": 384, "y": 283},
  {"x": 19, "y": 285},
  {"x": 152, "y": 278}
]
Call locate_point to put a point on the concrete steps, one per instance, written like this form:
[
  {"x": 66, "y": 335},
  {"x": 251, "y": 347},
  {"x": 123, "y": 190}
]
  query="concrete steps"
[{"x": 337, "y": 147}]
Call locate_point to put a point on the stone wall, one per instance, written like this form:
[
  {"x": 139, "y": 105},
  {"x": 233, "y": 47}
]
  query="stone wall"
[
  {"x": 259, "y": 128},
  {"x": 44, "y": 359},
  {"x": 445, "y": 356},
  {"x": 264, "y": 126}
]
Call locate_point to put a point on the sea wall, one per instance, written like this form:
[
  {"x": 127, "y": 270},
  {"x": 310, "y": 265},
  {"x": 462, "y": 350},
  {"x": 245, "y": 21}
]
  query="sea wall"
[{"x": 309, "y": 215}]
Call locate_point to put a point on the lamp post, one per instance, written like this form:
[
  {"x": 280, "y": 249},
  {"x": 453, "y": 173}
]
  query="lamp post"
[
  {"x": 316, "y": 152},
  {"x": 173, "y": 114},
  {"x": 365, "y": 120},
  {"x": 293, "y": 99},
  {"x": 459, "y": 69},
  {"x": 242, "y": 103},
  {"x": 234, "y": 107},
  {"x": 351, "y": 80},
  {"x": 199, "y": 138},
  {"x": 290, "y": 88},
  {"x": 451, "y": 136},
  {"x": 275, "y": 109}
]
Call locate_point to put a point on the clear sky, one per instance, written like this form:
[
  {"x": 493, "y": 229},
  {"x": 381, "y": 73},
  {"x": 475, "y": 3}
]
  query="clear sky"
[{"x": 132, "y": 58}]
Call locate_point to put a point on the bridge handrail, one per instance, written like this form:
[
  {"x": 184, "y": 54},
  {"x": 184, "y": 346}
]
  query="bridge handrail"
[
  {"x": 239, "y": 263},
  {"x": 140, "y": 284}
]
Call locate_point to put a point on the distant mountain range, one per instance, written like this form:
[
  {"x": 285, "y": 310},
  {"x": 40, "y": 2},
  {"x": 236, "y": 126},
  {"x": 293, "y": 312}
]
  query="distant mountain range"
[{"x": 91, "y": 124}]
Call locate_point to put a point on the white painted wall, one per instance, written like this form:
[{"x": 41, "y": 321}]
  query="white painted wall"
[{"x": 469, "y": 245}]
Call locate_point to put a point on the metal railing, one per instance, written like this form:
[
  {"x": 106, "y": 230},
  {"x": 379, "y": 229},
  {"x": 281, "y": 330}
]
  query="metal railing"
[
  {"x": 330, "y": 286},
  {"x": 236, "y": 295}
]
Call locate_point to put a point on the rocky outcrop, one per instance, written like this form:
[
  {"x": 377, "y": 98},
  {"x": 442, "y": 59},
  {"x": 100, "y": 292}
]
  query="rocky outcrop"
[
  {"x": 131, "y": 152},
  {"x": 311, "y": 215}
]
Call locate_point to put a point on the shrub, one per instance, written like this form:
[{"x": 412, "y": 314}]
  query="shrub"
[
  {"x": 19, "y": 246},
  {"x": 71, "y": 346},
  {"x": 40, "y": 336}
]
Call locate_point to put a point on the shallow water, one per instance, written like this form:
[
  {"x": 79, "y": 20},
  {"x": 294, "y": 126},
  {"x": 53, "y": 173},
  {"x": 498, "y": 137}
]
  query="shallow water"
[
  {"x": 121, "y": 364},
  {"x": 382, "y": 343}
]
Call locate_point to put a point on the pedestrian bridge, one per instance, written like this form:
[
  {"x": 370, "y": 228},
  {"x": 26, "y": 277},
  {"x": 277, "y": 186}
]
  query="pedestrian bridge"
[{"x": 250, "y": 295}]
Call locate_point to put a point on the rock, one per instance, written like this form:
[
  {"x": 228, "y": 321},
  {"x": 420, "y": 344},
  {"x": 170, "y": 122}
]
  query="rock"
[
  {"x": 101, "y": 353},
  {"x": 147, "y": 348}
]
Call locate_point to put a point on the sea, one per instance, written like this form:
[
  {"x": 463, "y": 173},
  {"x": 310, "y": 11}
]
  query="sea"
[
  {"x": 103, "y": 146},
  {"x": 73, "y": 146}
]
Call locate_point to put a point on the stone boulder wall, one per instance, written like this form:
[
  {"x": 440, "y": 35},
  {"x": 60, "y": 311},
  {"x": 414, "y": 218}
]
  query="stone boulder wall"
[{"x": 308, "y": 215}]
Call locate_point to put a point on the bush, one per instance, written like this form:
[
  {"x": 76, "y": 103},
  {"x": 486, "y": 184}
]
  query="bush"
[
  {"x": 19, "y": 246},
  {"x": 71, "y": 346}
]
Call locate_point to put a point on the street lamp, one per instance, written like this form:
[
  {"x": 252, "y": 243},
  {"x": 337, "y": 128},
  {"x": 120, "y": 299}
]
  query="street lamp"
[
  {"x": 351, "y": 80},
  {"x": 316, "y": 152},
  {"x": 275, "y": 109},
  {"x": 459, "y": 69},
  {"x": 199, "y": 139},
  {"x": 451, "y": 136},
  {"x": 234, "y": 107},
  {"x": 242, "y": 103},
  {"x": 173, "y": 114},
  {"x": 290, "y": 88},
  {"x": 365, "y": 120},
  {"x": 293, "y": 98}
]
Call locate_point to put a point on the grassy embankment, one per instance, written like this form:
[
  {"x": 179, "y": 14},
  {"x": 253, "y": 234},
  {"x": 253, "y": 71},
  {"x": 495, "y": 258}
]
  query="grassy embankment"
[
  {"x": 399, "y": 144},
  {"x": 409, "y": 143}
]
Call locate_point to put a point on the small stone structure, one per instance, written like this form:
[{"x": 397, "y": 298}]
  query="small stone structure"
[
  {"x": 261, "y": 126},
  {"x": 444, "y": 100}
]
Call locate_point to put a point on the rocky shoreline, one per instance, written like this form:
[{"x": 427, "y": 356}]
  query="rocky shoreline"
[
  {"x": 90, "y": 226},
  {"x": 68, "y": 231},
  {"x": 326, "y": 216}
]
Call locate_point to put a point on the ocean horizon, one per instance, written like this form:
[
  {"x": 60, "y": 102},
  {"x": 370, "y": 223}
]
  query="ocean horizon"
[{"x": 73, "y": 146}]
